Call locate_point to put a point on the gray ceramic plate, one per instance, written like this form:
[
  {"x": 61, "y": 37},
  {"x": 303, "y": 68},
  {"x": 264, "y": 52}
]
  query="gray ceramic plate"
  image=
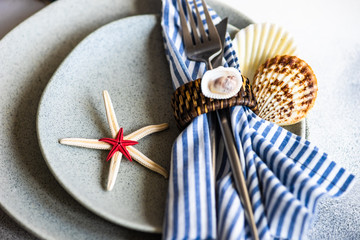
[{"x": 126, "y": 58}]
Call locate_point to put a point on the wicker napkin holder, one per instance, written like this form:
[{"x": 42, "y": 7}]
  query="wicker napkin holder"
[{"x": 189, "y": 102}]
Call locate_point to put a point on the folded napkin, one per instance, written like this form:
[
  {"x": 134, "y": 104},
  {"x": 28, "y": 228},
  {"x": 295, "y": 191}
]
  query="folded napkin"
[{"x": 286, "y": 174}]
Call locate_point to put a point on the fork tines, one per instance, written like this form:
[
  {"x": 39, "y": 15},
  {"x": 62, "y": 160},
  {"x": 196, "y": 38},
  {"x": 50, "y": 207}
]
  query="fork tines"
[
  {"x": 211, "y": 28},
  {"x": 196, "y": 37}
]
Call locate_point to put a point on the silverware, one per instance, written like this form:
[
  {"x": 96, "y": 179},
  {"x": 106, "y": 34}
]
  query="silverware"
[
  {"x": 221, "y": 28},
  {"x": 202, "y": 48},
  {"x": 239, "y": 179},
  {"x": 237, "y": 172},
  {"x": 214, "y": 129},
  {"x": 205, "y": 48}
]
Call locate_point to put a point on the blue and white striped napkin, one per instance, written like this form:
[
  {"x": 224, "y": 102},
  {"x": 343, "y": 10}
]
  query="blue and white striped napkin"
[{"x": 286, "y": 174}]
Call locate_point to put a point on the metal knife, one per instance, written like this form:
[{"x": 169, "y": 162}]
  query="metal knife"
[
  {"x": 235, "y": 159},
  {"x": 221, "y": 28}
]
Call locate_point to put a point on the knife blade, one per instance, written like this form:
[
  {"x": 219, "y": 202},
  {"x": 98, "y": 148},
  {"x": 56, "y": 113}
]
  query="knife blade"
[
  {"x": 234, "y": 157},
  {"x": 221, "y": 28}
]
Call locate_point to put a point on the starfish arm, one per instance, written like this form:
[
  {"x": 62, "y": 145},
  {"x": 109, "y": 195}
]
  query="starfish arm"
[
  {"x": 85, "y": 143},
  {"x": 112, "y": 152},
  {"x": 143, "y": 132},
  {"x": 120, "y": 135},
  {"x": 109, "y": 141},
  {"x": 110, "y": 114},
  {"x": 125, "y": 152},
  {"x": 128, "y": 142},
  {"x": 147, "y": 162},
  {"x": 113, "y": 170}
]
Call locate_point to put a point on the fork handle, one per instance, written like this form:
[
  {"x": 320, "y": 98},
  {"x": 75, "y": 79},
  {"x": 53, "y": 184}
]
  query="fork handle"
[
  {"x": 213, "y": 138},
  {"x": 237, "y": 171}
]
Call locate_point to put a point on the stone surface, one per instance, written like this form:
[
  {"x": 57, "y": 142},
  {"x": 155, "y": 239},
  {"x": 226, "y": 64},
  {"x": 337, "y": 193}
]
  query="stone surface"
[{"x": 329, "y": 41}]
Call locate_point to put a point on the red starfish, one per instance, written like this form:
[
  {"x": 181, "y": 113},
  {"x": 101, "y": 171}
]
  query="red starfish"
[{"x": 119, "y": 144}]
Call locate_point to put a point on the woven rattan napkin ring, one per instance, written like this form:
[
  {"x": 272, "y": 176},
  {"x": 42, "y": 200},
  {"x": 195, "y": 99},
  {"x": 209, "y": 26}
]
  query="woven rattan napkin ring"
[{"x": 189, "y": 102}]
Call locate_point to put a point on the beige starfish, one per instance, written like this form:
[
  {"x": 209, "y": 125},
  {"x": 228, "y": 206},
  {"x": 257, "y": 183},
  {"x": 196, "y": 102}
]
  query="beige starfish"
[{"x": 116, "y": 158}]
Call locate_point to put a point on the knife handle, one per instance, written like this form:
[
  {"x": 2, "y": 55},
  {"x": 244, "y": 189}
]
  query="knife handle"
[{"x": 237, "y": 171}]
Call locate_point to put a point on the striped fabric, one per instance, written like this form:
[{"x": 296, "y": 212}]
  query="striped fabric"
[{"x": 286, "y": 174}]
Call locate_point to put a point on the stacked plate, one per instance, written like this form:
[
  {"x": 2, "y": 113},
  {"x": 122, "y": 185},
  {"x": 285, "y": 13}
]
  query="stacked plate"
[{"x": 61, "y": 59}]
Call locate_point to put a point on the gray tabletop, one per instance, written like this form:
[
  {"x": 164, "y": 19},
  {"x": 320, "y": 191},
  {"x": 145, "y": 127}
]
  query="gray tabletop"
[
  {"x": 9, "y": 229},
  {"x": 329, "y": 39},
  {"x": 11, "y": 14}
]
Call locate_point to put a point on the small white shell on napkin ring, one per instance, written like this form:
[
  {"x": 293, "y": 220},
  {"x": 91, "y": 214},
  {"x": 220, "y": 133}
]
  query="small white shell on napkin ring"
[{"x": 221, "y": 83}]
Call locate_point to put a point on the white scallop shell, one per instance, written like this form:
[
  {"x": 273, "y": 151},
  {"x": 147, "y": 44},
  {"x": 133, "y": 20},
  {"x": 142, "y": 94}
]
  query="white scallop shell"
[
  {"x": 221, "y": 83},
  {"x": 258, "y": 42},
  {"x": 285, "y": 88}
]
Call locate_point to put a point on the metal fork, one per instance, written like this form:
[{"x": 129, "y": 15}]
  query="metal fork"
[{"x": 204, "y": 48}]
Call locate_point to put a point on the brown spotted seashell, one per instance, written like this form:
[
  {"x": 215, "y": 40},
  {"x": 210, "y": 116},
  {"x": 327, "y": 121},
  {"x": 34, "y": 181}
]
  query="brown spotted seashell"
[{"x": 285, "y": 88}]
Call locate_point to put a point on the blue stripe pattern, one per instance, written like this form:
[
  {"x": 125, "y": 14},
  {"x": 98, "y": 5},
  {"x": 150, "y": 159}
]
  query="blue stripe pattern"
[{"x": 286, "y": 175}]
